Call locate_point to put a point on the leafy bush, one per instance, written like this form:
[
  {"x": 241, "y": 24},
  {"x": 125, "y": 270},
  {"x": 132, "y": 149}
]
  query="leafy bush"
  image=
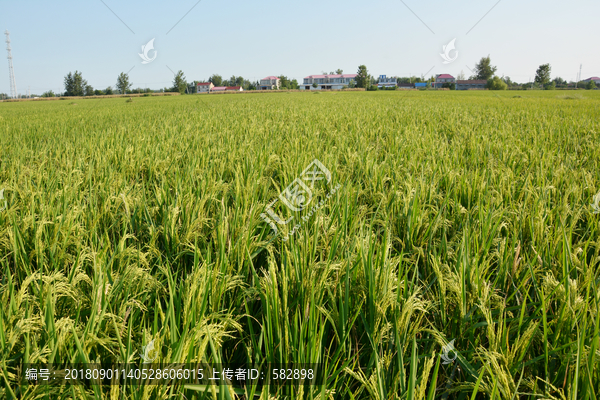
[{"x": 496, "y": 83}]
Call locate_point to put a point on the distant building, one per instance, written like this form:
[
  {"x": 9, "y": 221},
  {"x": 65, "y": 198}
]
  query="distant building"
[
  {"x": 406, "y": 85},
  {"x": 440, "y": 79},
  {"x": 234, "y": 89},
  {"x": 593, "y": 78},
  {"x": 421, "y": 84},
  {"x": 270, "y": 83},
  {"x": 219, "y": 88},
  {"x": 471, "y": 84},
  {"x": 385, "y": 82},
  {"x": 326, "y": 82},
  {"x": 204, "y": 87}
]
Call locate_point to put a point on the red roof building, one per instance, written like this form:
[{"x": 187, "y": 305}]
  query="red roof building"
[
  {"x": 270, "y": 83},
  {"x": 443, "y": 78},
  {"x": 204, "y": 87}
]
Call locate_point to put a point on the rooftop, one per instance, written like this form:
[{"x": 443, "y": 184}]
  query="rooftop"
[
  {"x": 445, "y": 76},
  {"x": 269, "y": 78},
  {"x": 331, "y": 76}
]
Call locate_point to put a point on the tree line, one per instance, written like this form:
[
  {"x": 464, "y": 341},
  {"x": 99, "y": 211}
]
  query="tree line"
[{"x": 76, "y": 85}]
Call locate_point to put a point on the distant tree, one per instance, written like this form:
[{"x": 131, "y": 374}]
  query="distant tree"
[
  {"x": 49, "y": 93},
  {"x": 363, "y": 78},
  {"x": 550, "y": 86},
  {"x": 590, "y": 85},
  {"x": 123, "y": 84},
  {"x": 89, "y": 90},
  {"x": 449, "y": 85},
  {"x": 74, "y": 84},
  {"x": 352, "y": 84},
  {"x": 461, "y": 76},
  {"x": 284, "y": 81},
  {"x": 507, "y": 80},
  {"x": 108, "y": 90},
  {"x": 294, "y": 84},
  {"x": 559, "y": 81},
  {"x": 542, "y": 75},
  {"x": 484, "y": 69},
  {"x": 339, "y": 71},
  {"x": 216, "y": 80},
  {"x": 496, "y": 83},
  {"x": 239, "y": 81},
  {"x": 179, "y": 82},
  {"x": 315, "y": 85},
  {"x": 98, "y": 92}
]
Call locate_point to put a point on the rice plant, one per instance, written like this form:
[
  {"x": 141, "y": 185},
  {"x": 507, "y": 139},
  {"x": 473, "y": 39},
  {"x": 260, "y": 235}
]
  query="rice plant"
[{"x": 460, "y": 216}]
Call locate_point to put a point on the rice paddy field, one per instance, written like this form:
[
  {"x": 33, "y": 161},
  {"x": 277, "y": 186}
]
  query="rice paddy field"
[{"x": 460, "y": 218}]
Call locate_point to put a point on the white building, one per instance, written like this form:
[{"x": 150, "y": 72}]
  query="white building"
[
  {"x": 385, "y": 82},
  {"x": 204, "y": 87},
  {"x": 327, "y": 82},
  {"x": 270, "y": 83}
]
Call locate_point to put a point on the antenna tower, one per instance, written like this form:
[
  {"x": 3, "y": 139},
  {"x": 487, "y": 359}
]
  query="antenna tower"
[{"x": 13, "y": 83}]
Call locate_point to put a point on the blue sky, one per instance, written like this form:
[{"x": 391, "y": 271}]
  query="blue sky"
[{"x": 295, "y": 38}]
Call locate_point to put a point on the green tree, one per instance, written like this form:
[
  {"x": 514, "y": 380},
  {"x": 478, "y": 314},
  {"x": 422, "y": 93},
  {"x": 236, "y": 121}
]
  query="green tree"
[
  {"x": 352, "y": 84},
  {"x": 339, "y": 71},
  {"x": 98, "y": 92},
  {"x": 284, "y": 81},
  {"x": 294, "y": 84},
  {"x": 179, "y": 83},
  {"x": 542, "y": 75},
  {"x": 123, "y": 84},
  {"x": 449, "y": 85},
  {"x": 363, "y": 79},
  {"x": 89, "y": 90},
  {"x": 484, "y": 69},
  {"x": 315, "y": 85},
  {"x": 559, "y": 81},
  {"x": 74, "y": 84},
  {"x": 590, "y": 85},
  {"x": 496, "y": 83},
  {"x": 49, "y": 93},
  {"x": 108, "y": 90},
  {"x": 216, "y": 80}
]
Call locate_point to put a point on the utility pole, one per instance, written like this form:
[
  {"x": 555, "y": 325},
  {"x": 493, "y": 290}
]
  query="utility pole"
[{"x": 13, "y": 84}]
